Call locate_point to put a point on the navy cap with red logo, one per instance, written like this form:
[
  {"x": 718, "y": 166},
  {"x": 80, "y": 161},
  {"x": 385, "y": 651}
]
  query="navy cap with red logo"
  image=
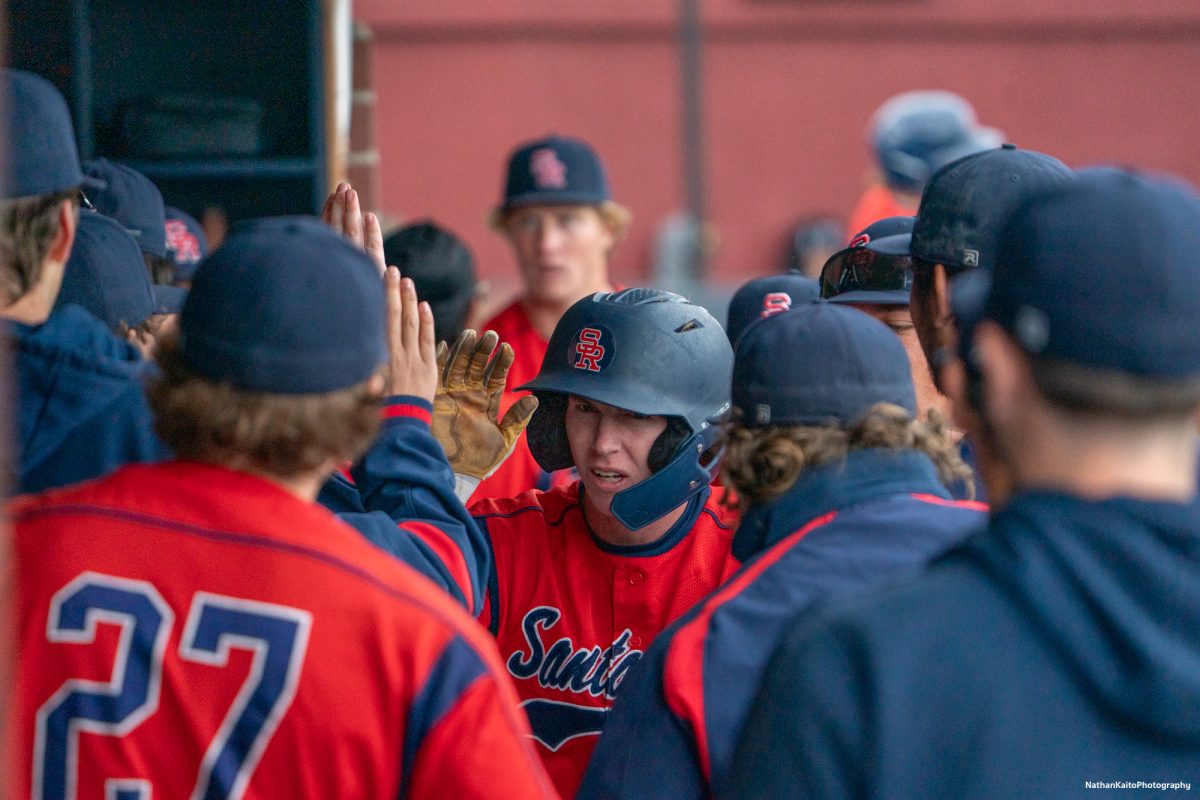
[
  {"x": 856, "y": 361},
  {"x": 876, "y": 268},
  {"x": 556, "y": 170},
  {"x": 762, "y": 297},
  {"x": 186, "y": 242}
]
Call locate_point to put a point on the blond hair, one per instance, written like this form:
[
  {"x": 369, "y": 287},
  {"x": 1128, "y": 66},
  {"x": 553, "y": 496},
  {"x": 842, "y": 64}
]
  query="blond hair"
[
  {"x": 615, "y": 217},
  {"x": 274, "y": 434},
  {"x": 763, "y": 463}
]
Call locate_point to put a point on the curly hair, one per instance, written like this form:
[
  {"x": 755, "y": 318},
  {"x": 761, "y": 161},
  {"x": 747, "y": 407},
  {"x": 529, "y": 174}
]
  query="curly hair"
[
  {"x": 763, "y": 463},
  {"x": 275, "y": 434}
]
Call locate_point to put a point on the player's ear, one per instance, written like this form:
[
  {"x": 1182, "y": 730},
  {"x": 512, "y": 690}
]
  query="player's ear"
[
  {"x": 1003, "y": 377},
  {"x": 375, "y": 384},
  {"x": 942, "y": 314}
]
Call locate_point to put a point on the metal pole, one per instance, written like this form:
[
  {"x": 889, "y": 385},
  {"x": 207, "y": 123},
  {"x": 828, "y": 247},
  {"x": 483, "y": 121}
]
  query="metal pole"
[{"x": 692, "y": 133}]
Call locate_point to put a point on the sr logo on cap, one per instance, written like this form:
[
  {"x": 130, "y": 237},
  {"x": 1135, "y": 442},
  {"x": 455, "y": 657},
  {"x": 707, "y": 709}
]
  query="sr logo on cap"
[
  {"x": 549, "y": 172},
  {"x": 592, "y": 350},
  {"x": 775, "y": 303}
]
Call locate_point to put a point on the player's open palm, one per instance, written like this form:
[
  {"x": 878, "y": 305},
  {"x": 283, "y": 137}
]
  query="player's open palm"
[
  {"x": 466, "y": 411},
  {"x": 412, "y": 357}
]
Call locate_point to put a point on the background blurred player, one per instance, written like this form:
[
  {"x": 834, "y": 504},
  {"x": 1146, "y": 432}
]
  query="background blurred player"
[
  {"x": 443, "y": 269},
  {"x": 562, "y": 223},
  {"x": 1059, "y": 646},
  {"x": 229, "y": 602},
  {"x": 913, "y": 135}
]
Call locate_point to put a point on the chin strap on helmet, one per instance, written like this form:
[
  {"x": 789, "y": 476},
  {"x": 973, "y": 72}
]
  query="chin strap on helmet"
[{"x": 692, "y": 468}]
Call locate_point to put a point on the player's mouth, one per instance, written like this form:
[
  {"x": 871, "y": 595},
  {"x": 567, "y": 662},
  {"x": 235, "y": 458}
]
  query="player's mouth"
[{"x": 608, "y": 478}]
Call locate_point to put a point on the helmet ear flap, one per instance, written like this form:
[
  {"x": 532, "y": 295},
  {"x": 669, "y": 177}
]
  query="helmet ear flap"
[
  {"x": 547, "y": 432},
  {"x": 664, "y": 447}
]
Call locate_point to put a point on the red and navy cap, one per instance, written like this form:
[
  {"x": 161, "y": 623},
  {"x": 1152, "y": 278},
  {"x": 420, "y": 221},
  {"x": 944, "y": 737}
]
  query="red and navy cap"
[
  {"x": 876, "y": 268},
  {"x": 186, "y": 242},
  {"x": 556, "y": 170},
  {"x": 851, "y": 362}
]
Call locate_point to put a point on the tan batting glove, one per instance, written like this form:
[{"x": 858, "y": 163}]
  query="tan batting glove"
[{"x": 466, "y": 408}]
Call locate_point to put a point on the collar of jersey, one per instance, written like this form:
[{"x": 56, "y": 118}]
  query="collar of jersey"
[
  {"x": 662, "y": 544},
  {"x": 862, "y": 475}
]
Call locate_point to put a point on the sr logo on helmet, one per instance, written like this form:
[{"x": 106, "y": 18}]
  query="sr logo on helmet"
[{"x": 592, "y": 349}]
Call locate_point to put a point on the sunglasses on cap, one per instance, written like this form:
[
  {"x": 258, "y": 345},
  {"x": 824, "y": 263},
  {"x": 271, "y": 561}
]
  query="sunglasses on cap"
[{"x": 857, "y": 269}]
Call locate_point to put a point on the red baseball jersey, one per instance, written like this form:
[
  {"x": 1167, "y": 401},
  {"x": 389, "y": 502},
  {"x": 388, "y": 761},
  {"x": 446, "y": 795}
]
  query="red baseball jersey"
[
  {"x": 189, "y": 631},
  {"x": 572, "y": 614}
]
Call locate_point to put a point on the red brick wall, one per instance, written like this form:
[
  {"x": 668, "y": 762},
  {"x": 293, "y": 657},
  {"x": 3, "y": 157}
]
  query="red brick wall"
[{"x": 789, "y": 87}]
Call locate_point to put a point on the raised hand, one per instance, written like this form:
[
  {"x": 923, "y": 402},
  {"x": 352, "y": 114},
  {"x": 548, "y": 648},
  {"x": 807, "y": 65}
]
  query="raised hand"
[
  {"x": 412, "y": 357},
  {"x": 466, "y": 408},
  {"x": 343, "y": 213}
]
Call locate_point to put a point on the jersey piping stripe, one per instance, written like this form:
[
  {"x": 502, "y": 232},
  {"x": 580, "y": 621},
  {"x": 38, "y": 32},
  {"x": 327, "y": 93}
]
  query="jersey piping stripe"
[
  {"x": 717, "y": 520},
  {"x": 933, "y": 499},
  {"x": 249, "y": 539},
  {"x": 406, "y": 412},
  {"x": 456, "y": 670},
  {"x": 683, "y": 671},
  {"x": 447, "y": 552},
  {"x": 523, "y": 509},
  {"x": 493, "y": 583}
]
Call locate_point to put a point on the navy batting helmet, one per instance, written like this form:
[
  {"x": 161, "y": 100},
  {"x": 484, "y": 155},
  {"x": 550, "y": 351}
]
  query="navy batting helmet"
[
  {"x": 650, "y": 352},
  {"x": 917, "y": 133}
]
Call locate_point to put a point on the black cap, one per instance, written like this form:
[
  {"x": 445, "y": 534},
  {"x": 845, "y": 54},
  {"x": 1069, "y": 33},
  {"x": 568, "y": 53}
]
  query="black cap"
[
  {"x": 967, "y": 202},
  {"x": 442, "y": 268}
]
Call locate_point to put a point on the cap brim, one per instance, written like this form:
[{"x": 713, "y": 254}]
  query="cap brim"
[
  {"x": 552, "y": 199},
  {"x": 168, "y": 299},
  {"x": 892, "y": 297}
]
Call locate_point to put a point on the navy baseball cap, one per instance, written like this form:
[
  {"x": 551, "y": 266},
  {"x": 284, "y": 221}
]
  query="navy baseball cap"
[
  {"x": 967, "y": 202},
  {"x": 851, "y": 362},
  {"x": 41, "y": 155},
  {"x": 442, "y": 268},
  {"x": 762, "y": 297},
  {"x": 1103, "y": 273},
  {"x": 916, "y": 133},
  {"x": 185, "y": 241},
  {"x": 875, "y": 268},
  {"x": 285, "y": 306},
  {"x": 131, "y": 199},
  {"x": 555, "y": 170},
  {"x": 106, "y": 275}
]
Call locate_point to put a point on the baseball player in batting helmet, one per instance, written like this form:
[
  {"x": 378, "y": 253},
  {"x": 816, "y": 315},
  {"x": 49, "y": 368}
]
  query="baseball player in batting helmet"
[{"x": 583, "y": 577}]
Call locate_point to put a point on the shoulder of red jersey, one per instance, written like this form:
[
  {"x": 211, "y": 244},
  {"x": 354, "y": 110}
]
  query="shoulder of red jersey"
[
  {"x": 509, "y": 321},
  {"x": 174, "y": 495},
  {"x": 551, "y": 505}
]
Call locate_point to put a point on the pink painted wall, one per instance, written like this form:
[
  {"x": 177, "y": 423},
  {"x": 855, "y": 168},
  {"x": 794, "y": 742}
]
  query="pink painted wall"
[{"x": 789, "y": 88}]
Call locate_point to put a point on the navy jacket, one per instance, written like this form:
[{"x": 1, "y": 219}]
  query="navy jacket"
[
  {"x": 842, "y": 527},
  {"x": 1061, "y": 646},
  {"x": 81, "y": 404},
  {"x": 402, "y": 500}
]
